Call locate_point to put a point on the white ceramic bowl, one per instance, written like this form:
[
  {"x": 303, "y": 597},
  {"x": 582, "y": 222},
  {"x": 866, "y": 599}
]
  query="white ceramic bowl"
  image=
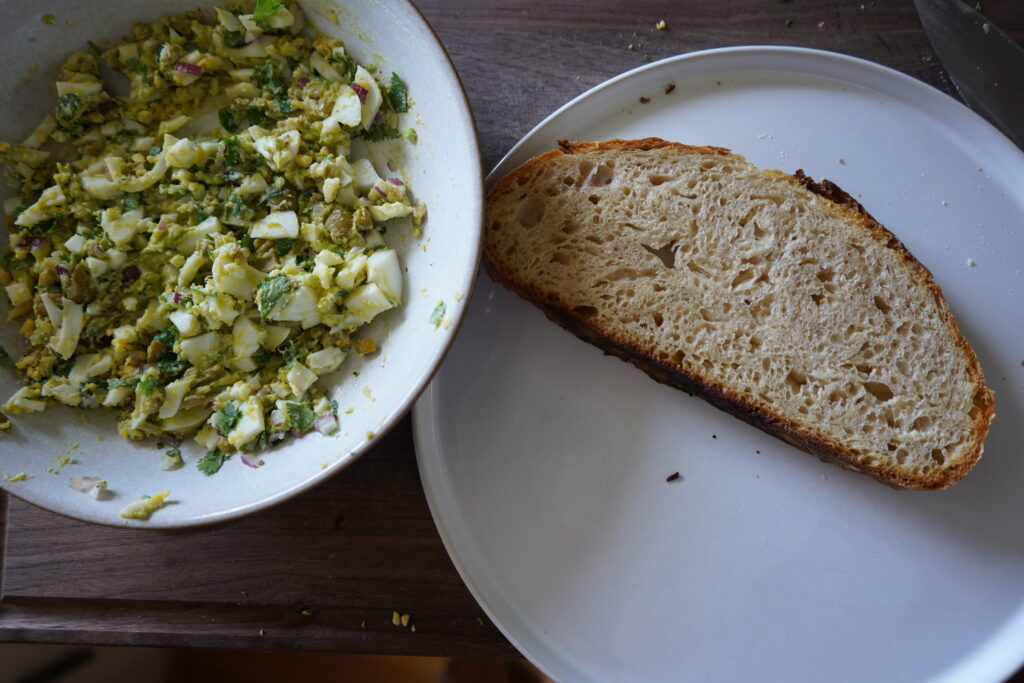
[{"x": 443, "y": 169}]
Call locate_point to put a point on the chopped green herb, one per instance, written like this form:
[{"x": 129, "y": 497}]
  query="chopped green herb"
[
  {"x": 300, "y": 418},
  {"x": 282, "y": 247},
  {"x": 69, "y": 106},
  {"x": 225, "y": 419},
  {"x": 117, "y": 382},
  {"x": 134, "y": 65},
  {"x": 265, "y": 9},
  {"x": 167, "y": 336},
  {"x": 272, "y": 192},
  {"x": 269, "y": 292},
  {"x": 198, "y": 215},
  {"x": 379, "y": 131},
  {"x": 266, "y": 77},
  {"x": 438, "y": 314},
  {"x": 234, "y": 39},
  {"x": 346, "y": 64},
  {"x": 256, "y": 116},
  {"x": 147, "y": 385},
  {"x": 410, "y": 135},
  {"x": 171, "y": 460},
  {"x": 172, "y": 366},
  {"x": 398, "y": 94},
  {"x": 232, "y": 152},
  {"x": 284, "y": 104},
  {"x": 789, "y": 22},
  {"x": 9, "y": 261},
  {"x": 226, "y": 116},
  {"x": 130, "y": 202},
  {"x": 155, "y": 150},
  {"x": 211, "y": 462},
  {"x": 236, "y": 207}
]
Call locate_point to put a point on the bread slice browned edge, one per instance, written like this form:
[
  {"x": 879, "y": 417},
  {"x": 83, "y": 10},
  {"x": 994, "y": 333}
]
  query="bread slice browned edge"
[{"x": 801, "y": 436}]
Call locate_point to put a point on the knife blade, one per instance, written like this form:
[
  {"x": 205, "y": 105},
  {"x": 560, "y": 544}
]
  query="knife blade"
[{"x": 986, "y": 66}]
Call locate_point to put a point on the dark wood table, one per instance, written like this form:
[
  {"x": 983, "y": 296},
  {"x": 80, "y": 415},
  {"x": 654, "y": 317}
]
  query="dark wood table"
[{"x": 325, "y": 571}]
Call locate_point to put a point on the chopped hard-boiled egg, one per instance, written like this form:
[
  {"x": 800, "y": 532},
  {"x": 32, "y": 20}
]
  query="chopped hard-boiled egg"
[{"x": 199, "y": 276}]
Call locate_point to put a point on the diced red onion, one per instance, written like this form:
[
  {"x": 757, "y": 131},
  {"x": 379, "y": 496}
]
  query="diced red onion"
[
  {"x": 396, "y": 181},
  {"x": 380, "y": 190},
  {"x": 130, "y": 273},
  {"x": 377, "y": 117},
  {"x": 83, "y": 483},
  {"x": 302, "y": 81},
  {"x": 162, "y": 225},
  {"x": 176, "y": 298},
  {"x": 38, "y": 242},
  {"x": 252, "y": 460},
  {"x": 188, "y": 68},
  {"x": 209, "y": 404},
  {"x": 61, "y": 270},
  {"x": 360, "y": 91},
  {"x": 94, "y": 486},
  {"x": 326, "y": 424}
]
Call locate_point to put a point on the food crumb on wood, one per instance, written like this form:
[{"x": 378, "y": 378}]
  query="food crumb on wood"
[
  {"x": 821, "y": 24},
  {"x": 405, "y": 620},
  {"x": 481, "y": 621},
  {"x": 669, "y": 88},
  {"x": 789, "y": 22},
  {"x": 673, "y": 477},
  {"x": 661, "y": 25},
  {"x": 396, "y": 618},
  {"x": 645, "y": 100},
  {"x": 362, "y": 624},
  {"x": 631, "y": 47},
  {"x": 306, "y": 613},
  {"x": 262, "y": 632},
  {"x": 413, "y": 628}
]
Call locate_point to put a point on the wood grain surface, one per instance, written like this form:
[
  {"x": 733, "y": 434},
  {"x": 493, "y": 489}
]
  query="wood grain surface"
[{"x": 326, "y": 570}]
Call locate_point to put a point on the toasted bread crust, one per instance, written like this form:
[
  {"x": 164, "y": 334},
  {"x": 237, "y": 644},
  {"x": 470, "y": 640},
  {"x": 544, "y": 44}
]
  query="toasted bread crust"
[{"x": 723, "y": 397}]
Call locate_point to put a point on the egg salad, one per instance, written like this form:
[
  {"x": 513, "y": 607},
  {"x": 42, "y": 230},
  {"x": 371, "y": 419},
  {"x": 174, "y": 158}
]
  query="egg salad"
[{"x": 200, "y": 279}]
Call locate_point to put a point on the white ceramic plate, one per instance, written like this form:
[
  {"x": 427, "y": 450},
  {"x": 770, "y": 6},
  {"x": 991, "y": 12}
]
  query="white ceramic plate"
[
  {"x": 443, "y": 170},
  {"x": 545, "y": 462}
]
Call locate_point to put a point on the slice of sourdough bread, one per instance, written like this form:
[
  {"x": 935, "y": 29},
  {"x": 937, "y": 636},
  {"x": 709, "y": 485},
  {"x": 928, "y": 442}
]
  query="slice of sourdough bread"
[{"x": 774, "y": 297}]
